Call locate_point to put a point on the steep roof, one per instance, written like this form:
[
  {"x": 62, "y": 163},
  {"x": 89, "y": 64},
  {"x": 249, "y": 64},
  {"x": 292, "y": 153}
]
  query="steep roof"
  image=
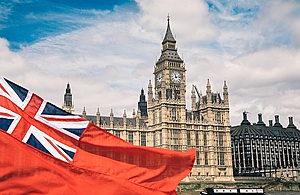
[
  {"x": 169, "y": 51},
  {"x": 170, "y": 55},
  {"x": 169, "y": 36}
]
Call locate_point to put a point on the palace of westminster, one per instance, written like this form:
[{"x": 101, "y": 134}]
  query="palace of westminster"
[{"x": 222, "y": 151}]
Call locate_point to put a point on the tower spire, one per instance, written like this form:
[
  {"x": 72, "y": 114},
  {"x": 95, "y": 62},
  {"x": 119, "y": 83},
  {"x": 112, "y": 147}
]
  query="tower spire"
[
  {"x": 68, "y": 103},
  {"x": 142, "y": 104},
  {"x": 169, "y": 50},
  {"x": 168, "y": 36}
]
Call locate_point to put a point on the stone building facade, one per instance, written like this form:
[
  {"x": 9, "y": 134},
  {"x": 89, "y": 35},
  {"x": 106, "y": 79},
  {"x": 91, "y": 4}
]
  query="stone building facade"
[
  {"x": 267, "y": 150},
  {"x": 164, "y": 121}
]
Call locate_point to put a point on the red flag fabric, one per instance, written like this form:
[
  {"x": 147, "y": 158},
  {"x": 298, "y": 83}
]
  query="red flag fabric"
[{"x": 45, "y": 150}]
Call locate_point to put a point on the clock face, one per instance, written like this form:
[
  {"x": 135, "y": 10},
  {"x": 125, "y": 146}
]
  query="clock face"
[
  {"x": 175, "y": 77},
  {"x": 159, "y": 78}
]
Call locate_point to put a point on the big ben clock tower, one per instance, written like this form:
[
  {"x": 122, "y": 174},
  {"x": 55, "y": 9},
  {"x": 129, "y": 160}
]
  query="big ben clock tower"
[
  {"x": 167, "y": 105},
  {"x": 164, "y": 121}
]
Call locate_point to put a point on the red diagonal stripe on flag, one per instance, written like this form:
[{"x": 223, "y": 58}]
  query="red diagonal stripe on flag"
[
  {"x": 27, "y": 119},
  {"x": 3, "y": 89},
  {"x": 5, "y": 114},
  {"x": 54, "y": 146}
]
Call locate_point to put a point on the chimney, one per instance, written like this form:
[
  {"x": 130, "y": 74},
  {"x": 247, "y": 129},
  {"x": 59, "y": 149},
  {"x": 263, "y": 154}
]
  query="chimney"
[
  {"x": 270, "y": 123},
  {"x": 260, "y": 121},
  {"x": 245, "y": 120},
  {"x": 291, "y": 123},
  {"x": 277, "y": 123}
]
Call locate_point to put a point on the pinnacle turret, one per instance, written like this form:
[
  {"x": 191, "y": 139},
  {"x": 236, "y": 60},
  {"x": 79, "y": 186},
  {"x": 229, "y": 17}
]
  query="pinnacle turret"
[
  {"x": 225, "y": 94},
  {"x": 142, "y": 104},
  {"x": 208, "y": 87},
  {"x": 193, "y": 97},
  {"x": 98, "y": 117},
  {"x": 84, "y": 113}
]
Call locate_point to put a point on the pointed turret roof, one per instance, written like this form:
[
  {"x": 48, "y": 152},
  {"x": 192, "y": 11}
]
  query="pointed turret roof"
[
  {"x": 68, "y": 89},
  {"x": 169, "y": 51},
  {"x": 169, "y": 36}
]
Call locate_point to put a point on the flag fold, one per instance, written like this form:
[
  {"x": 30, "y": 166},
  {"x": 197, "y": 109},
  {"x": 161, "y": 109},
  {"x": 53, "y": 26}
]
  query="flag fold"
[{"x": 45, "y": 150}]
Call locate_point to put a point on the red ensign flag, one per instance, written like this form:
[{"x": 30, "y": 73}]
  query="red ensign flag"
[{"x": 45, "y": 150}]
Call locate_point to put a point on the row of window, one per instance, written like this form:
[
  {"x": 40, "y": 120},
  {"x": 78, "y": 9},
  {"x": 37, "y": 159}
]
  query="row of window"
[
  {"x": 170, "y": 94},
  {"x": 265, "y": 142},
  {"x": 263, "y": 154},
  {"x": 175, "y": 136},
  {"x": 173, "y": 115},
  {"x": 220, "y": 158}
]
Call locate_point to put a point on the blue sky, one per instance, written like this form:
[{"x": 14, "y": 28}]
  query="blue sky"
[
  {"x": 26, "y": 22},
  {"x": 107, "y": 50}
]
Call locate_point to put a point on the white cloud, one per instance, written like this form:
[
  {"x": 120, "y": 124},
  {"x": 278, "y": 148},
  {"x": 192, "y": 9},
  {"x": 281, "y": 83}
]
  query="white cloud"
[
  {"x": 277, "y": 64},
  {"x": 259, "y": 60},
  {"x": 11, "y": 62},
  {"x": 104, "y": 66},
  {"x": 109, "y": 62},
  {"x": 277, "y": 22},
  {"x": 270, "y": 78},
  {"x": 189, "y": 19},
  {"x": 295, "y": 31},
  {"x": 265, "y": 81}
]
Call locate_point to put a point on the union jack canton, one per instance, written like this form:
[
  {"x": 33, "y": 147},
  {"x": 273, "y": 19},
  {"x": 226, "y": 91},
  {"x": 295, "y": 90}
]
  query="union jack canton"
[{"x": 30, "y": 119}]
